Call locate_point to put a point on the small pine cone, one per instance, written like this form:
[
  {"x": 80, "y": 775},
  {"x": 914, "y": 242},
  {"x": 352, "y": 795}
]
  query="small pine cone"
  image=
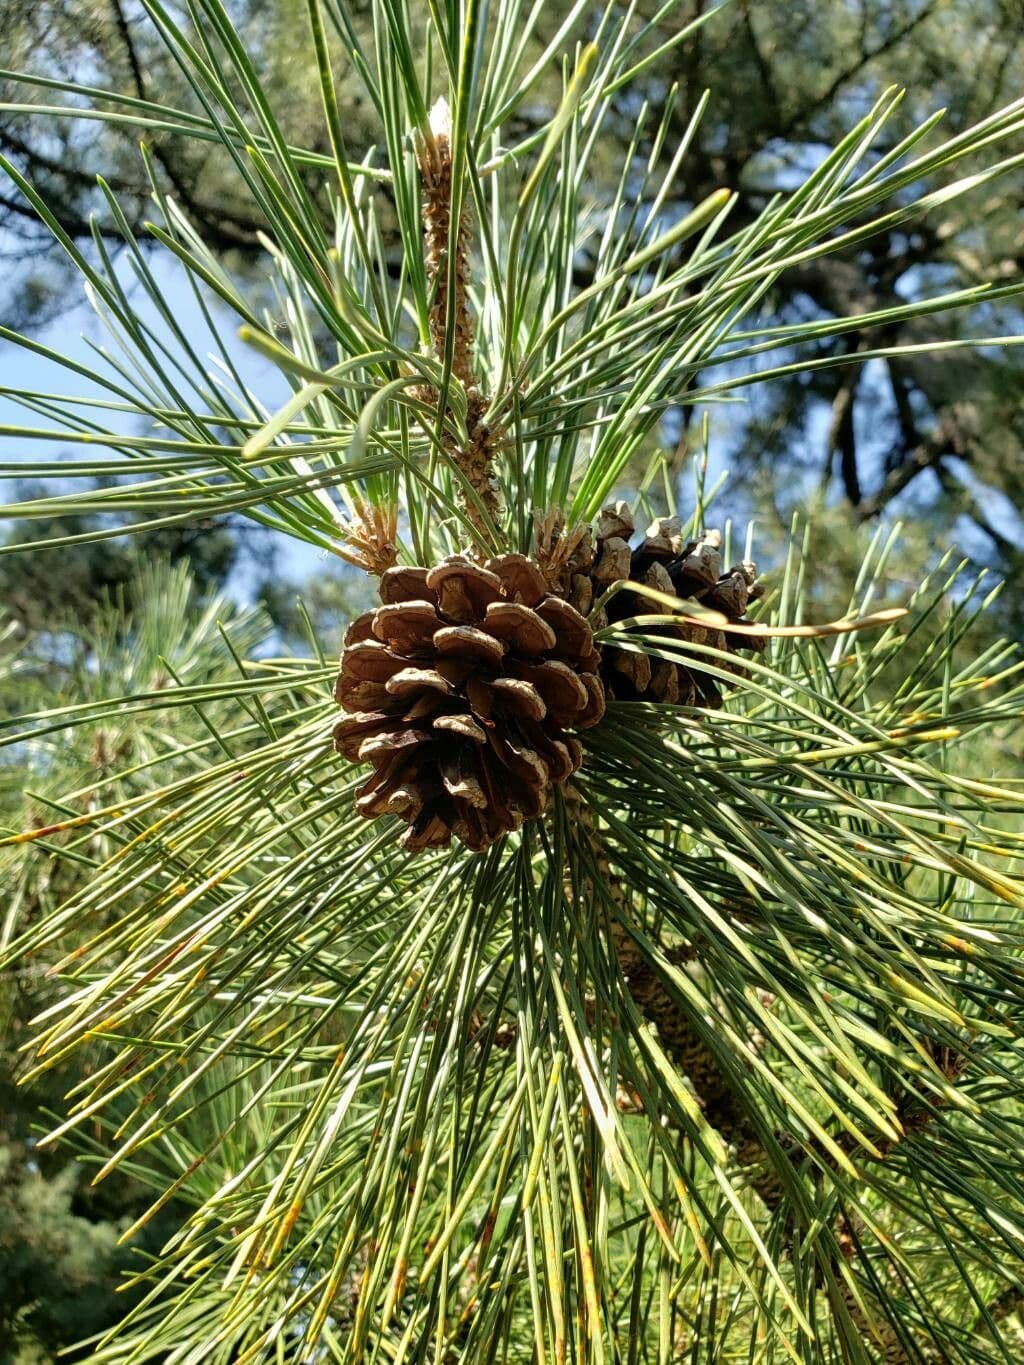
[
  {"x": 671, "y": 565},
  {"x": 460, "y": 688}
]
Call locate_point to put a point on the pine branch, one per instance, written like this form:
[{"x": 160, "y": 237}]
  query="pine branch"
[
  {"x": 721, "y": 1107},
  {"x": 680, "y": 1041},
  {"x": 281, "y": 993}
]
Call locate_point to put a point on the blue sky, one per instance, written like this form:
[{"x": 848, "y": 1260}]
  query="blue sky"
[
  {"x": 79, "y": 332},
  {"x": 76, "y": 335}
]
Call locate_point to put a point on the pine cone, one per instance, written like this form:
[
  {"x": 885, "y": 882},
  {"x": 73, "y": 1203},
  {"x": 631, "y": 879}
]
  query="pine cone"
[
  {"x": 460, "y": 688},
  {"x": 664, "y": 561}
]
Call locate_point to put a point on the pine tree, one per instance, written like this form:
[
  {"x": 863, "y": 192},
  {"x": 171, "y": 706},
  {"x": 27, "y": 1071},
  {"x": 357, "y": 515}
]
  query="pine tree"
[{"x": 540, "y": 1003}]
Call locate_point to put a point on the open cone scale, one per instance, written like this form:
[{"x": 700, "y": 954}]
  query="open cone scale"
[
  {"x": 465, "y": 687},
  {"x": 664, "y": 560},
  {"x": 461, "y": 688}
]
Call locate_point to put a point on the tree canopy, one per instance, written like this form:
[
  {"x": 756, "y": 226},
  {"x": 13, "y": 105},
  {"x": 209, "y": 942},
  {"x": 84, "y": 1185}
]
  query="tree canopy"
[{"x": 919, "y": 434}]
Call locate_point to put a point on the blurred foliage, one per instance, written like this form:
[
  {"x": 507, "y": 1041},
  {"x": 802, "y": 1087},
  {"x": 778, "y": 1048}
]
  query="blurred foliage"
[
  {"x": 320, "y": 605},
  {"x": 137, "y": 623},
  {"x": 45, "y": 588}
]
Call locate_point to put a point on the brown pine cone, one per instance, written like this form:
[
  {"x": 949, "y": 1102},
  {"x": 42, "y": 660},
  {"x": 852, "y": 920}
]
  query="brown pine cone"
[
  {"x": 460, "y": 688},
  {"x": 677, "y": 568}
]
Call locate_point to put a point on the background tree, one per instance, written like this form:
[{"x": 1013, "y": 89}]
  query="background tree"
[
  {"x": 787, "y": 81},
  {"x": 46, "y": 590}
]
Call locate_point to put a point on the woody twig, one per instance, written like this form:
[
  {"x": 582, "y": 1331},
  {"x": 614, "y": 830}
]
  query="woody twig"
[{"x": 450, "y": 317}]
